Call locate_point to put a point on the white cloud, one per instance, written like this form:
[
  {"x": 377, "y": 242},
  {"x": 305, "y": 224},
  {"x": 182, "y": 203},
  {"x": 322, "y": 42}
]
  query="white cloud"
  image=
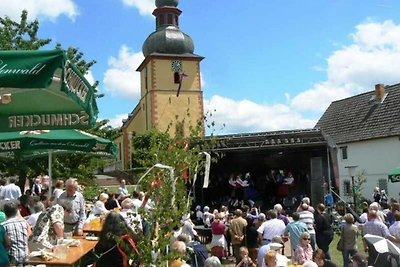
[
  {"x": 89, "y": 77},
  {"x": 44, "y": 9},
  {"x": 373, "y": 57},
  {"x": 121, "y": 78},
  {"x": 116, "y": 122},
  {"x": 145, "y": 7},
  {"x": 247, "y": 116}
]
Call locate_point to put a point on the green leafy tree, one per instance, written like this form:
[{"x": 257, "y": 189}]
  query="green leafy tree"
[
  {"x": 22, "y": 35},
  {"x": 167, "y": 191}
]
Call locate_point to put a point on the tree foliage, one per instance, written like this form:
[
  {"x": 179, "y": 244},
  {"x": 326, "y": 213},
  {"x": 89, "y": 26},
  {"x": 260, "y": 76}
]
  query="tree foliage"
[
  {"x": 22, "y": 35},
  {"x": 169, "y": 191}
]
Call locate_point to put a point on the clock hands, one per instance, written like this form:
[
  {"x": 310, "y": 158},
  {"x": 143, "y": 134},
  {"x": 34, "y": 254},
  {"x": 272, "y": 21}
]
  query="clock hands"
[{"x": 181, "y": 76}]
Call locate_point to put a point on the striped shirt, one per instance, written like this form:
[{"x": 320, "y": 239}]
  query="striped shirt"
[
  {"x": 307, "y": 217},
  {"x": 375, "y": 227},
  {"x": 17, "y": 230}
]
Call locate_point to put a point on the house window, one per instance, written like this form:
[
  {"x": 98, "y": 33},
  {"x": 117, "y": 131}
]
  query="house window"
[
  {"x": 343, "y": 150},
  {"x": 347, "y": 188},
  {"x": 382, "y": 183}
]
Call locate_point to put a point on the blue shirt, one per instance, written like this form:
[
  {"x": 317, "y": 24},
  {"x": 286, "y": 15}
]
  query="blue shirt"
[{"x": 295, "y": 229}]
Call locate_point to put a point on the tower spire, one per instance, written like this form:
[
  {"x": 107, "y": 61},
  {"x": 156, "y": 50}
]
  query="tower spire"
[{"x": 168, "y": 38}]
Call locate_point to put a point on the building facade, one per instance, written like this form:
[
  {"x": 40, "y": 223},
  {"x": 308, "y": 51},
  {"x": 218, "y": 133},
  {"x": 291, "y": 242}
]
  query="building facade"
[{"x": 365, "y": 132}]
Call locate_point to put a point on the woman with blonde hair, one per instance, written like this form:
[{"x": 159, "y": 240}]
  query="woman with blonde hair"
[
  {"x": 218, "y": 241},
  {"x": 304, "y": 251}
]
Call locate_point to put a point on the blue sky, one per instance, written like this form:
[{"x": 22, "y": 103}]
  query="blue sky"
[{"x": 269, "y": 65}]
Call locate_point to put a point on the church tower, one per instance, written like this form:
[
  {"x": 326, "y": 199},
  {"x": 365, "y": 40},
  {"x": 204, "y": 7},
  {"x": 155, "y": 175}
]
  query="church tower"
[
  {"x": 170, "y": 76},
  {"x": 170, "y": 82}
]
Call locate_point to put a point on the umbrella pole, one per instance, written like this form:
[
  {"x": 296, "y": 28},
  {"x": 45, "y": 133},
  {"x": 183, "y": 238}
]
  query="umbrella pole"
[{"x": 50, "y": 171}]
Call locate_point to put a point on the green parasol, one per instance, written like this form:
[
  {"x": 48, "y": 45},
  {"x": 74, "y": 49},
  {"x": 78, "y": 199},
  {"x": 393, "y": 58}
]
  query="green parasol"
[
  {"x": 394, "y": 175},
  {"x": 29, "y": 144},
  {"x": 43, "y": 90}
]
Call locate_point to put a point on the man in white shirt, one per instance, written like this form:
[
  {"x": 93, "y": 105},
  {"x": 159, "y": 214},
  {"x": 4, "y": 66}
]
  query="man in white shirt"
[
  {"x": 11, "y": 191},
  {"x": 270, "y": 228}
]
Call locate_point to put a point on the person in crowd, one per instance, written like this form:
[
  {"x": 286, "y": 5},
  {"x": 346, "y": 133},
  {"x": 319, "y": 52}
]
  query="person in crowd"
[
  {"x": 270, "y": 228},
  {"x": 323, "y": 229},
  {"x": 199, "y": 215},
  {"x": 74, "y": 207},
  {"x": 224, "y": 212},
  {"x": 280, "y": 213},
  {"x": 306, "y": 215},
  {"x": 49, "y": 227},
  {"x": 321, "y": 261},
  {"x": 58, "y": 189},
  {"x": 390, "y": 215},
  {"x": 23, "y": 206},
  {"x": 251, "y": 239},
  {"x": 245, "y": 260},
  {"x": 309, "y": 264},
  {"x": 38, "y": 208},
  {"x": 180, "y": 248},
  {"x": 261, "y": 219},
  {"x": 237, "y": 231},
  {"x": 123, "y": 190},
  {"x": 208, "y": 217},
  {"x": 99, "y": 207},
  {"x": 10, "y": 191},
  {"x": 270, "y": 259},
  {"x": 384, "y": 197},
  {"x": 37, "y": 187},
  {"x": 112, "y": 202},
  {"x": 5, "y": 244},
  {"x": 376, "y": 196},
  {"x": 305, "y": 200},
  {"x": 364, "y": 215},
  {"x": 374, "y": 226},
  {"x": 303, "y": 251},
  {"x": 45, "y": 182},
  {"x": 132, "y": 218},
  {"x": 107, "y": 248},
  {"x": 218, "y": 242},
  {"x": 18, "y": 230},
  {"x": 349, "y": 235},
  {"x": 188, "y": 227},
  {"x": 212, "y": 261},
  {"x": 265, "y": 248},
  {"x": 394, "y": 229},
  {"x": 294, "y": 230}
]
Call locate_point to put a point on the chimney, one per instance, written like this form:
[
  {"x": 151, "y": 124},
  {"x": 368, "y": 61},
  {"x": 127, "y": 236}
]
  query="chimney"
[{"x": 380, "y": 92}]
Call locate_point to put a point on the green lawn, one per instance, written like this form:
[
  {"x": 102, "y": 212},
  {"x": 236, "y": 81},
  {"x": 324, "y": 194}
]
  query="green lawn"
[{"x": 337, "y": 255}]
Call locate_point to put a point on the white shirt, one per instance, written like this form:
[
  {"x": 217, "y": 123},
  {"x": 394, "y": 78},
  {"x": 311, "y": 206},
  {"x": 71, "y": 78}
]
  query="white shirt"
[
  {"x": 271, "y": 228},
  {"x": 32, "y": 219}
]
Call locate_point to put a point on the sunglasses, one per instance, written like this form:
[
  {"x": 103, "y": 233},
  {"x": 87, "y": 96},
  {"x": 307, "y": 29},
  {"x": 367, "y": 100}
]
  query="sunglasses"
[{"x": 306, "y": 238}]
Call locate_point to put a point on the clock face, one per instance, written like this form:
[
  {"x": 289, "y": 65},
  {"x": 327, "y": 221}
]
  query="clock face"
[{"x": 176, "y": 65}]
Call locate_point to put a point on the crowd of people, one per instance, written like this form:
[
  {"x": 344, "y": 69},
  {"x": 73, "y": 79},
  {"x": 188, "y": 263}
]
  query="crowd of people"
[{"x": 248, "y": 235}]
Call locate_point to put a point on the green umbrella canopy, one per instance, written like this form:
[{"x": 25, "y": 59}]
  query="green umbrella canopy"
[
  {"x": 394, "y": 175},
  {"x": 34, "y": 143},
  {"x": 43, "y": 90}
]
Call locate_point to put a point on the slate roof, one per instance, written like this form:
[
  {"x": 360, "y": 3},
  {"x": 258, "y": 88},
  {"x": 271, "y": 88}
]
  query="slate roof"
[{"x": 358, "y": 118}]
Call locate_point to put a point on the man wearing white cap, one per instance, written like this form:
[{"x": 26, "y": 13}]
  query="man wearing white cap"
[{"x": 276, "y": 244}]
